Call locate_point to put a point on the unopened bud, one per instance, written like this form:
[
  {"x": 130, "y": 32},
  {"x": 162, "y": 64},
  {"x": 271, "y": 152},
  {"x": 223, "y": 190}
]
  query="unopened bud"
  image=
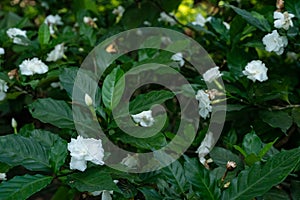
[
  {"x": 231, "y": 165},
  {"x": 226, "y": 185},
  {"x": 88, "y": 100},
  {"x": 14, "y": 123}
]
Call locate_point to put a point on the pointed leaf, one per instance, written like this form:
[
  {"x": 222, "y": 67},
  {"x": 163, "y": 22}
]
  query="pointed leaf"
[
  {"x": 22, "y": 187},
  {"x": 44, "y": 34},
  {"x": 257, "y": 180}
]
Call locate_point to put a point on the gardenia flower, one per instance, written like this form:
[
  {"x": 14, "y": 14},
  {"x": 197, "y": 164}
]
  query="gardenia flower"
[
  {"x": 178, "y": 57},
  {"x": 130, "y": 161},
  {"x": 256, "y": 70},
  {"x": 166, "y": 18},
  {"x": 2, "y": 51},
  {"x": 200, "y": 20},
  {"x": 33, "y": 66},
  {"x": 51, "y": 21},
  {"x": 144, "y": 118},
  {"x": 15, "y": 34},
  {"x": 90, "y": 21},
  {"x": 211, "y": 74},
  {"x": 283, "y": 20},
  {"x": 83, "y": 150},
  {"x": 2, "y": 176},
  {"x": 205, "y": 147},
  {"x": 3, "y": 89},
  {"x": 56, "y": 53},
  {"x": 204, "y": 103},
  {"x": 119, "y": 11},
  {"x": 274, "y": 42}
]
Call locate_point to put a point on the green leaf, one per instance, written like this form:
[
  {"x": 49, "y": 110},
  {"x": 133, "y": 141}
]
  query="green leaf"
[
  {"x": 221, "y": 156},
  {"x": 22, "y": 187},
  {"x": 266, "y": 148},
  {"x": 277, "y": 119},
  {"x": 253, "y": 18},
  {"x": 296, "y": 116},
  {"x": 150, "y": 193},
  {"x": 276, "y": 194},
  {"x": 146, "y": 101},
  {"x": 201, "y": 179},
  {"x": 44, "y": 34},
  {"x": 295, "y": 192},
  {"x": 175, "y": 175},
  {"x": 57, "y": 147},
  {"x": 239, "y": 149},
  {"x": 293, "y": 6},
  {"x": 91, "y": 180},
  {"x": 111, "y": 94},
  {"x": 252, "y": 143},
  {"x": 257, "y": 179},
  {"x": 18, "y": 150},
  {"x": 55, "y": 112}
]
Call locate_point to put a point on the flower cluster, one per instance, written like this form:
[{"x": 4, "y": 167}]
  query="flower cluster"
[{"x": 83, "y": 150}]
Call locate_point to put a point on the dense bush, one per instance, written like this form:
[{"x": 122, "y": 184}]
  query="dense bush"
[{"x": 255, "y": 47}]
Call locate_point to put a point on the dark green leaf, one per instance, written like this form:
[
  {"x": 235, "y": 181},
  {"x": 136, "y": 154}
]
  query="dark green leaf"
[
  {"x": 257, "y": 180},
  {"x": 92, "y": 180},
  {"x": 22, "y": 187},
  {"x": 277, "y": 119},
  {"x": 17, "y": 150},
  {"x": 221, "y": 156},
  {"x": 254, "y": 18},
  {"x": 252, "y": 143},
  {"x": 150, "y": 193},
  {"x": 201, "y": 179},
  {"x": 55, "y": 112}
]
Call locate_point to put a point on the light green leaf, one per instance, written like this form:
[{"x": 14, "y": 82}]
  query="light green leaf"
[
  {"x": 18, "y": 150},
  {"x": 252, "y": 143},
  {"x": 257, "y": 179},
  {"x": 22, "y": 187},
  {"x": 44, "y": 34},
  {"x": 111, "y": 94},
  {"x": 204, "y": 183},
  {"x": 55, "y": 112}
]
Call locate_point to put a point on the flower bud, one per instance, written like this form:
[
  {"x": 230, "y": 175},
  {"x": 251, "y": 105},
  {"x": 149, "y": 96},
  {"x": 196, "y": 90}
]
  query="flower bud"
[
  {"x": 231, "y": 165},
  {"x": 88, "y": 100},
  {"x": 14, "y": 123}
]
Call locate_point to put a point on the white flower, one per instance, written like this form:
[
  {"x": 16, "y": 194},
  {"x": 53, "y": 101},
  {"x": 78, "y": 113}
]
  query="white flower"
[
  {"x": 211, "y": 74},
  {"x": 119, "y": 11},
  {"x": 83, "y": 150},
  {"x": 204, "y": 103},
  {"x": 51, "y": 21},
  {"x": 283, "y": 20},
  {"x": 2, "y": 176},
  {"x": 166, "y": 18},
  {"x": 2, "y": 51},
  {"x": 88, "y": 100},
  {"x": 274, "y": 42},
  {"x": 178, "y": 57},
  {"x": 144, "y": 118},
  {"x": 14, "y": 123},
  {"x": 15, "y": 34},
  {"x": 256, "y": 70},
  {"x": 205, "y": 147},
  {"x": 33, "y": 66},
  {"x": 130, "y": 161},
  {"x": 3, "y": 89},
  {"x": 200, "y": 20},
  {"x": 56, "y": 53}
]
